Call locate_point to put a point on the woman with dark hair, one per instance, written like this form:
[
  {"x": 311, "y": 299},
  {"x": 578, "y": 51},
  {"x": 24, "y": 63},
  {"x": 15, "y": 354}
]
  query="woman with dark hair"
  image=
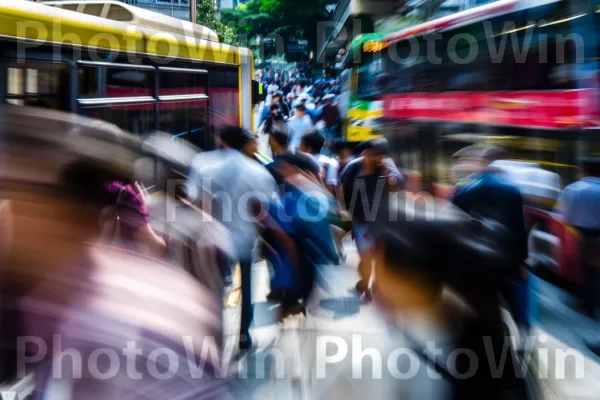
[{"x": 275, "y": 121}]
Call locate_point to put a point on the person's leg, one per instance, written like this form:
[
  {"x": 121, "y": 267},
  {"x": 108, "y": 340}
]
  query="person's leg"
[
  {"x": 338, "y": 237},
  {"x": 247, "y": 307},
  {"x": 309, "y": 275},
  {"x": 364, "y": 244}
]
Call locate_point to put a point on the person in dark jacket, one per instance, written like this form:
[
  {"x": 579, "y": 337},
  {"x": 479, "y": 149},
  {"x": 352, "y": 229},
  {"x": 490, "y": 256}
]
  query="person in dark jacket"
[
  {"x": 275, "y": 120},
  {"x": 488, "y": 193},
  {"x": 277, "y": 99},
  {"x": 363, "y": 184}
]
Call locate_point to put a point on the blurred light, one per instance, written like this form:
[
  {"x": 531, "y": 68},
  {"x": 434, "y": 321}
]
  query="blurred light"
[
  {"x": 564, "y": 20},
  {"x": 518, "y": 29}
]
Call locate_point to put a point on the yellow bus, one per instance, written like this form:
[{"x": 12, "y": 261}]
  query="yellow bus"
[{"x": 138, "y": 69}]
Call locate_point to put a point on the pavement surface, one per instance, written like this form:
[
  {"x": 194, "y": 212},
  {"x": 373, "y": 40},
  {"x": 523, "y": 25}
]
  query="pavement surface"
[
  {"x": 337, "y": 319},
  {"x": 345, "y": 349}
]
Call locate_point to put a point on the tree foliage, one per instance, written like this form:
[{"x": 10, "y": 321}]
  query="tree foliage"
[
  {"x": 207, "y": 15},
  {"x": 287, "y": 19}
]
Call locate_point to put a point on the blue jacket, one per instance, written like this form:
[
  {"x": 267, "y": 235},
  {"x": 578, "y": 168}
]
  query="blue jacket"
[{"x": 490, "y": 195}]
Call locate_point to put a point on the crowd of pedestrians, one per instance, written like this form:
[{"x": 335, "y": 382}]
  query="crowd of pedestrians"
[
  {"x": 215, "y": 211},
  {"x": 300, "y": 103}
]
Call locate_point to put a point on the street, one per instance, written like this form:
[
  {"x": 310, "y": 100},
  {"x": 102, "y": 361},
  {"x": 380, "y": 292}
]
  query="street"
[
  {"x": 343, "y": 347},
  {"x": 336, "y": 315}
]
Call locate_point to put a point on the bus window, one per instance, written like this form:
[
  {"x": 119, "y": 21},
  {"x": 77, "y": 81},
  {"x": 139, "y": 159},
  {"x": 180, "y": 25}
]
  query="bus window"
[
  {"x": 173, "y": 82},
  {"x": 127, "y": 82},
  {"x": 370, "y": 75},
  {"x": 37, "y": 84},
  {"x": 135, "y": 118},
  {"x": 89, "y": 82},
  {"x": 224, "y": 96},
  {"x": 187, "y": 121}
]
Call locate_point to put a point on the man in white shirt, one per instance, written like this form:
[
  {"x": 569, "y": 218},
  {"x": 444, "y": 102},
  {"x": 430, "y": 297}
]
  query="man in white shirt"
[
  {"x": 297, "y": 125},
  {"x": 229, "y": 181},
  {"x": 312, "y": 143},
  {"x": 579, "y": 206}
]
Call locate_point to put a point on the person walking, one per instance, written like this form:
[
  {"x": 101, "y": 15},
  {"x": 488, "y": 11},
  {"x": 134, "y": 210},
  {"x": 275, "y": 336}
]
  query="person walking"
[
  {"x": 363, "y": 185},
  {"x": 274, "y": 121},
  {"x": 488, "y": 193},
  {"x": 312, "y": 143},
  {"x": 297, "y": 125},
  {"x": 579, "y": 207},
  {"x": 266, "y": 110},
  {"x": 330, "y": 114},
  {"x": 222, "y": 180}
]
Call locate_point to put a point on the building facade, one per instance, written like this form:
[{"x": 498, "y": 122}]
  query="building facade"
[
  {"x": 173, "y": 8},
  {"x": 350, "y": 18},
  {"x": 229, "y": 4}
]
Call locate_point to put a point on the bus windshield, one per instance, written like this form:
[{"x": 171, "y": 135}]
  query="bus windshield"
[{"x": 370, "y": 76}]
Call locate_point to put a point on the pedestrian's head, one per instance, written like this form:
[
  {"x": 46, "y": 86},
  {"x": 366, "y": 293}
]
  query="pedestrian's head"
[
  {"x": 423, "y": 246},
  {"x": 312, "y": 142},
  {"x": 279, "y": 140},
  {"x": 234, "y": 137},
  {"x": 276, "y": 99},
  {"x": 251, "y": 146},
  {"x": 344, "y": 150},
  {"x": 476, "y": 158},
  {"x": 374, "y": 152},
  {"x": 301, "y": 109},
  {"x": 274, "y": 109}
]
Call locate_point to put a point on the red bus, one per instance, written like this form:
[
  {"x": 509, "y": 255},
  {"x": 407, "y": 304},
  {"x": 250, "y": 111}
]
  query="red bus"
[{"x": 522, "y": 74}]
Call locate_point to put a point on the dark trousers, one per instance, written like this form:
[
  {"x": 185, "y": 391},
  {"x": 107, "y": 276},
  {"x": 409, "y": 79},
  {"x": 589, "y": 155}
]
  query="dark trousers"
[
  {"x": 590, "y": 254},
  {"x": 484, "y": 335},
  {"x": 247, "y": 307}
]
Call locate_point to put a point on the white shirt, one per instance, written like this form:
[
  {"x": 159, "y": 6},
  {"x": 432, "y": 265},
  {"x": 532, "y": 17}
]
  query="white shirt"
[
  {"x": 232, "y": 179},
  {"x": 331, "y": 168},
  {"x": 579, "y": 203},
  {"x": 296, "y": 127}
]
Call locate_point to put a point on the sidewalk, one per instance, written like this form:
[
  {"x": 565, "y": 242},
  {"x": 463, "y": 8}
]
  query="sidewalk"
[
  {"x": 337, "y": 313},
  {"x": 562, "y": 380}
]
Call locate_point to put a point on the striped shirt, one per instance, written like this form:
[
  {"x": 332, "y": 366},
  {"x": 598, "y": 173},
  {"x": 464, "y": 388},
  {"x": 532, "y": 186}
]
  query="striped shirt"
[{"x": 141, "y": 329}]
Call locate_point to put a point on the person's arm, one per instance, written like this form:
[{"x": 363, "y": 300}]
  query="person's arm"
[
  {"x": 344, "y": 213},
  {"x": 393, "y": 178},
  {"x": 268, "y": 223},
  {"x": 331, "y": 177},
  {"x": 521, "y": 229}
]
